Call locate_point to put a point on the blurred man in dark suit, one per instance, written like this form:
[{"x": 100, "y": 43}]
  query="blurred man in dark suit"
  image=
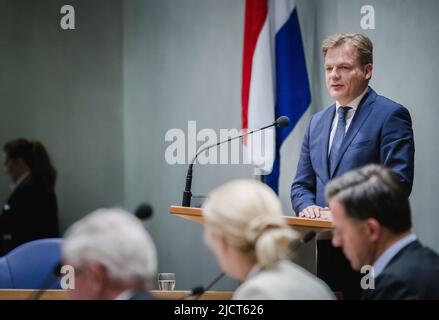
[{"x": 372, "y": 222}]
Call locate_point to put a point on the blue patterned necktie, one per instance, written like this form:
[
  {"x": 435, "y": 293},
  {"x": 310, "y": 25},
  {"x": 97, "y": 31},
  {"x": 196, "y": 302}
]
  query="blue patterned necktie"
[{"x": 338, "y": 138}]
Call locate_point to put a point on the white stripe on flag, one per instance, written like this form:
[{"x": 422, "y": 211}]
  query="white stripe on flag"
[
  {"x": 261, "y": 146},
  {"x": 279, "y": 11}
]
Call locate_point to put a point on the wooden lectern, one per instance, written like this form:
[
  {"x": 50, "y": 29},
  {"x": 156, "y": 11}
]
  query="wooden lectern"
[{"x": 303, "y": 225}]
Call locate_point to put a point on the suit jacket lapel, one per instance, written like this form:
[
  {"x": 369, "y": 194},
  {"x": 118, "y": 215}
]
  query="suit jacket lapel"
[
  {"x": 360, "y": 116},
  {"x": 371, "y": 294},
  {"x": 326, "y": 131}
]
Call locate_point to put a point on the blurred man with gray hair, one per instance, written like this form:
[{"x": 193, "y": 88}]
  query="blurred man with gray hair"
[{"x": 113, "y": 257}]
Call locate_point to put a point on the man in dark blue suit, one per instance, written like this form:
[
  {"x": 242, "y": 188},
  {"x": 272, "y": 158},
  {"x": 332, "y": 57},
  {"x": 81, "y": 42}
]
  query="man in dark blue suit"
[
  {"x": 372, "y": 222},
  {"x": 361, "y": 127}
]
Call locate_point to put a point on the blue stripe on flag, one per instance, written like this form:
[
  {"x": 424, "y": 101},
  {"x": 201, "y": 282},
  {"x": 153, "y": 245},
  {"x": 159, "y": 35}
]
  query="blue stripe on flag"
[{"x": 292, "y": 88}]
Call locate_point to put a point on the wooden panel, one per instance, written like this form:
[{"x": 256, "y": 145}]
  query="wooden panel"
[
  {"x": 179, "y": 294},
  {"x": 25, "y": 294},
  {"x": 28, "y": 294},
  {"x": 196, "y": 215}
]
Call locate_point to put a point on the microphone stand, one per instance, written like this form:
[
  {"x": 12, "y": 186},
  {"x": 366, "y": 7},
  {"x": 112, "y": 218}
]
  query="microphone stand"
[
  {"x": 47, "y": 283},
  {"x": 199, "y": 291},
  {"x": 280, "y": 122},
  {"x": 306, "y": 238}
]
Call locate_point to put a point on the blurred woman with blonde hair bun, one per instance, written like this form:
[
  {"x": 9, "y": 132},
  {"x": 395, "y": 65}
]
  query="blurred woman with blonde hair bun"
[{"x": 245, "y": 228}]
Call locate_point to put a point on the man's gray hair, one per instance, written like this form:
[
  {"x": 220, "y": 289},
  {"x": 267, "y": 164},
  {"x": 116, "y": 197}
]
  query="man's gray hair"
[
  {"x": 115, "y": 239},
  {"x": 361, "y": 42}
]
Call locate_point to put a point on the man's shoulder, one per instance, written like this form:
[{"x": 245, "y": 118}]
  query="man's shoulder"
[
  {"x": 411, "y": 275},
  {"x": 387, "y": 104},
  {"x": 414, "y": 264},
  {"x": 416, "y": 250},
  {"x": 383, "y": 107}
]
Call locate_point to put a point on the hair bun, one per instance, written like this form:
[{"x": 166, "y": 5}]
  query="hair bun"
[{"x": 259, "y": 225}]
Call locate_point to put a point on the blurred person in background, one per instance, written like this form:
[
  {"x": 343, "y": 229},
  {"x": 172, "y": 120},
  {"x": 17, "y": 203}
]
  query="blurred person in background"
[{"x": 31, "y": 210}]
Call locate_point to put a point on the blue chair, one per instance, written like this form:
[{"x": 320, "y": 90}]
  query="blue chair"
[{"x": 30, "y": 265}]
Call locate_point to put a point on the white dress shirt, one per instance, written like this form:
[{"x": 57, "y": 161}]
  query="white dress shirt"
[
  {"x": 349, "y": 116},
  {"x": 125, "y": 295}
]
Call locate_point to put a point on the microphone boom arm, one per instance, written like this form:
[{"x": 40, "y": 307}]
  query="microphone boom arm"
[{"x": 187, "y": 194}]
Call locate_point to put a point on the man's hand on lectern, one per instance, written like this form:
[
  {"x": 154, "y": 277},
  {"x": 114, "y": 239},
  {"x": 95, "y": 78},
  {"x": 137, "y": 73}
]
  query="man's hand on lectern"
[{"x": 316, "y": 212}]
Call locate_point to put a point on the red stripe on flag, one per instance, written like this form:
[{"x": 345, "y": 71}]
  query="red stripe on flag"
[{"x": 255, "y": 15}]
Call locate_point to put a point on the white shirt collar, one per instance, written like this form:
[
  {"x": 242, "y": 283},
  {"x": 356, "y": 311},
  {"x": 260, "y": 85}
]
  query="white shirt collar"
[
  {"x": 354, "y": 103},
  {"x": 390, "y": 252},
  {"x": 20, "y": 180},
  {"x": 125, "y": 295}
]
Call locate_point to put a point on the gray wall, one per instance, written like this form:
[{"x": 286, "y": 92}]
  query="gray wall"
[
  {"x": 182, "y": 61},
  {"x": 103, "y": 96},
  {"x": 64, "y": 88}
]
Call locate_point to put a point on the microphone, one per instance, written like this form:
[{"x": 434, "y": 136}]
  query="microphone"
[
  {"x": 144, "y": 211},
  {"x": 199, "y": 290},
  {"x": 280, "y": 122},
  {"x": 306, "y": 238},
  {"x": 56, "y": 271},
  {"x": 48, "y": 282}
]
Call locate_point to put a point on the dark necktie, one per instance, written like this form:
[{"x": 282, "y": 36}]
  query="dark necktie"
[{"x": 338, "y": 138}]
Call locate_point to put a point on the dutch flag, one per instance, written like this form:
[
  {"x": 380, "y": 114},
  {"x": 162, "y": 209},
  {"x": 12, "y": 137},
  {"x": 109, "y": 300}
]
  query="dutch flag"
[{"x": 274, "y": 80}]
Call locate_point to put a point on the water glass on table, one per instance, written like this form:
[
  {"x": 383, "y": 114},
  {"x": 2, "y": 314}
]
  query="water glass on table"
[{"x": 166, "y": 281}]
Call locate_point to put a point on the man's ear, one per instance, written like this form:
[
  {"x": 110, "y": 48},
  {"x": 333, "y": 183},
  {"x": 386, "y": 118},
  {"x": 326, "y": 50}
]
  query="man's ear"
[
  {"x": 373, "y": 229},
  {"x": 368, "y": 71},
  {"x": 97, "y": 275}
]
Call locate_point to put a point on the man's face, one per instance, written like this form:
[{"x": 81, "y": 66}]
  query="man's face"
[
  {"x": 351, "y": 235},
  {"x": 346, "y": 78}
]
